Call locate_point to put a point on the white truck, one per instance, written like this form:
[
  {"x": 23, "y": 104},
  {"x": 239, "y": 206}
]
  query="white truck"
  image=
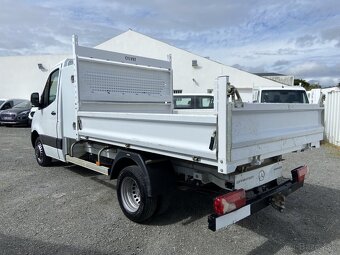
[
  {"x": 274, "y": 94},
  {"x": 284, "y": 94},
  {"x": 113, "y": 113}
]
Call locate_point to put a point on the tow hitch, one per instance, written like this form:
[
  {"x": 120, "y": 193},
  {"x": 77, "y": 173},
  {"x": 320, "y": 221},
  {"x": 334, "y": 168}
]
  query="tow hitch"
[{"x": 278, "y": 202}]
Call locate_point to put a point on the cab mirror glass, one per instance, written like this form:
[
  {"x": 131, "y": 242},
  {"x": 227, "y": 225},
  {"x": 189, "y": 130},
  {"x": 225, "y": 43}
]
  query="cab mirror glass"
[{"x": 35, "y": 99}]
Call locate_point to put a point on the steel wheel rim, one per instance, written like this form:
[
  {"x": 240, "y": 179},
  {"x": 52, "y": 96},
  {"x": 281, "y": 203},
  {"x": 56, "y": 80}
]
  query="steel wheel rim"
[
  {"x": 39, "y": 152},
  {"x": 130, "y": 194}
]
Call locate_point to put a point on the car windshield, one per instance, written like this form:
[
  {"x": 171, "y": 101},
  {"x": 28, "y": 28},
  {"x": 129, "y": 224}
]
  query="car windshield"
[
  {"x": 193, "y": 102},
  {"x": 284, "y": 96},
  {"x": 1, "y": 102},
  {"x": 25, "y": 105}
]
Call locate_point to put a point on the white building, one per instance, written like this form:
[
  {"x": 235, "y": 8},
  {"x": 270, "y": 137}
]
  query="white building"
[
  {"x": 22, "y": 75},
  {"x": 192, "y": 73}
]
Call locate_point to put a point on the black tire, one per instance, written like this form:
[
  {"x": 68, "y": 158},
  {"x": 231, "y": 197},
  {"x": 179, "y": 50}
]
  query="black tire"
[
  {"x": 40, "y": 155},
  {"x": 164, "y": 203},
  {"x": 132, "y": 195}
]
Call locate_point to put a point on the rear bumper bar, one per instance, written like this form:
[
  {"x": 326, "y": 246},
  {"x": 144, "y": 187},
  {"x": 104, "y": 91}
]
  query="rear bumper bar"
[{"x": 254, "y": 204}]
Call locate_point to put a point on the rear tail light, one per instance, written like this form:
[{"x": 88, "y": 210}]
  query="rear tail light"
[
  {"x": 229, "y": 202},
  {"x": 300, "y": 173}
]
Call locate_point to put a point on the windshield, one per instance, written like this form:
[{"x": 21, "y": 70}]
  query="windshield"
[
  {"x": 25, "y": 105},
  {"x": 193, "y": 102},
  {"x": 1, "y": 102},
  {"x": 284, "y": 96}
]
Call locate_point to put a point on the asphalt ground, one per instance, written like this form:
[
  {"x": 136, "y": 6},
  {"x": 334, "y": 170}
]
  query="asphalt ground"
[{"x": 65, "y": 209}]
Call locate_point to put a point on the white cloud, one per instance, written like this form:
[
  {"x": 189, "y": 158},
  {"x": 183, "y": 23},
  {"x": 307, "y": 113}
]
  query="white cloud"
[{"x": 282, "y": 36}]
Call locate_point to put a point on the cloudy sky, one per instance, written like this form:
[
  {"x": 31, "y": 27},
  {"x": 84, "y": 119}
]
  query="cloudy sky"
[{"x": 300, "y": 37}]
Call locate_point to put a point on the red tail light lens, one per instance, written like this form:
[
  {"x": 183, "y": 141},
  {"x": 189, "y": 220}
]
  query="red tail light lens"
[
  {"x": 229, "y": 202},
  {"x": 300, "y": 173}
]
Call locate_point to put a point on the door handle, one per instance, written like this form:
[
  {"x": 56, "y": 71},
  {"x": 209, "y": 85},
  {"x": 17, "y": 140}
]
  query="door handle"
[{"x": 53, "y": 113}]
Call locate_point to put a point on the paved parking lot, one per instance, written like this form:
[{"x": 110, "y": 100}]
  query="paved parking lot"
[{"x": 65, "y": 209}]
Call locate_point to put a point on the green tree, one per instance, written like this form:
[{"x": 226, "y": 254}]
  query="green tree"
[{"x": 306, "y": 84}]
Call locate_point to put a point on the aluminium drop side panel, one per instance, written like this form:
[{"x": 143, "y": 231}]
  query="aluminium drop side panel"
[
  {"x": 257, "y": 130},
  {"x": 252, "y": 132},
  {"x": 175, "y": 135},
  {"x": 267, "y": 130}
]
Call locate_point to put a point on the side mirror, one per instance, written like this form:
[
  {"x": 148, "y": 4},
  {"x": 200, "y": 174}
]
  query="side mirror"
[{"x": 35, "y": 99}]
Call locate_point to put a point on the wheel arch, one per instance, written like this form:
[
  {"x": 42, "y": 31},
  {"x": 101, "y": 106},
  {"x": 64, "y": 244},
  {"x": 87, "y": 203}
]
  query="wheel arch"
[
  {"x": 159, "y": 174},
  {"x": 34, "y": 136},
  {"x": 125, "y": 159}
]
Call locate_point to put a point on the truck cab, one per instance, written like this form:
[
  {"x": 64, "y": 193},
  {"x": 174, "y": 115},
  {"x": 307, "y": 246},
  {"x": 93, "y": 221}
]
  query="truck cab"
[{"x": 50, "y": 114}]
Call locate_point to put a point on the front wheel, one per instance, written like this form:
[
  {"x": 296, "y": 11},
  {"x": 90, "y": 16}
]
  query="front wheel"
[
  {"x": 40, "y": 155},
  {"x": 132, "y": 195}
]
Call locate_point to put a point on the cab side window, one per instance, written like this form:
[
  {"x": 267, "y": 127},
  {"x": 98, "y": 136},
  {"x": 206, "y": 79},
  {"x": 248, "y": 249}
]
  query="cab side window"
[
  {"x": 50, "y": 91},
  {"x": 53, "y": 86}
]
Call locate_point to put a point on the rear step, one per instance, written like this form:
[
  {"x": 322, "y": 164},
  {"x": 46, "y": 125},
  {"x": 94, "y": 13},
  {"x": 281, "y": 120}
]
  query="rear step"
[{"x": 89, "y": 165}]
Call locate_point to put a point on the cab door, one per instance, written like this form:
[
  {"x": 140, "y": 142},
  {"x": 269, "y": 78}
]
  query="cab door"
[{"x": 48, "y": 122}]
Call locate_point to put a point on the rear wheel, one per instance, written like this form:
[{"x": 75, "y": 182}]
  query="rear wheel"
[
  {"x": 40, "y": 155},
  {"x": 132, "y": 195},
  {"x": 164, "y": 203}
]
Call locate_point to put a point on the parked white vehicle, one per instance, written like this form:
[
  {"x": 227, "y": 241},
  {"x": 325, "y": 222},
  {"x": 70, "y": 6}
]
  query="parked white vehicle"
[
  {"x": 194, "y": 101},
  {"x": 113, "y": 113},
  {"x": 284, "y": 94},
  {"x": 198, "y": 103}
]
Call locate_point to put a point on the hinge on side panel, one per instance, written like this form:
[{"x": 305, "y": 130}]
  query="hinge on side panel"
[
  {"x": 196, "y": 159},
  {"x": 79, "y": 124},
  {"x": 212, "y": 144}
]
